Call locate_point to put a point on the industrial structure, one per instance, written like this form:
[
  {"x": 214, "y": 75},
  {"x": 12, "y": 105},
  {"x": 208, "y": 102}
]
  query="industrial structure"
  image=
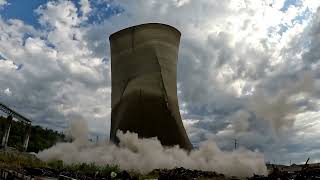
[
  {"x": 10, "y": 115},
  {"x": 144, "y": 89}
]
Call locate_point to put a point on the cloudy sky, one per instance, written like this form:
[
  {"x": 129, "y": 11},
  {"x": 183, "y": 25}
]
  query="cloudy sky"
[{"x": 248, "y": 70}]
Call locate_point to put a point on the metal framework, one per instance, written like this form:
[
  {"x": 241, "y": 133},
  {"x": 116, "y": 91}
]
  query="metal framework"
[{"x": 13, "y": 114}]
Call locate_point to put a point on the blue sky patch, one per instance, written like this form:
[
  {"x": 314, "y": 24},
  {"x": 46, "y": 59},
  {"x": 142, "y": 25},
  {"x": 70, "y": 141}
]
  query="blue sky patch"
[
  {"x": 103, "y": 11},
  {"x": 304, "y": 15},
  {"x": 19, "y": 67},
  {"x": 105, "y": 60},
  {"x": 23, "y": 10},
  {"x": 2, "y": 58},
  {"x": 289, "y": 3}
]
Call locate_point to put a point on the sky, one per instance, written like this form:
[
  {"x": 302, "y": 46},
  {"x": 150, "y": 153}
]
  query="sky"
[{"x": 248, "y": 70}]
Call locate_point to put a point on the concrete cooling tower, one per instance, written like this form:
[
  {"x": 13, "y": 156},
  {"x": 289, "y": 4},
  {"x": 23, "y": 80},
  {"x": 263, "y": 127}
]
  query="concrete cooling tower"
[{"x": 144, "y": 84}]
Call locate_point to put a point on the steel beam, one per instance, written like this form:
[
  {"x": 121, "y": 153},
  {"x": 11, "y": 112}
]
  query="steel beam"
[
  {"x": 27, "y": 136},
  {"x": 7, "y": 133},
  {"x": 16, "y": 115}
]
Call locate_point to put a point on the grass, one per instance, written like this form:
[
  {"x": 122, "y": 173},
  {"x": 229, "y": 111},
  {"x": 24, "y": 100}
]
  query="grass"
[
  {"x": 18, "y": 160},
  {"x": 83, "y": 168}
]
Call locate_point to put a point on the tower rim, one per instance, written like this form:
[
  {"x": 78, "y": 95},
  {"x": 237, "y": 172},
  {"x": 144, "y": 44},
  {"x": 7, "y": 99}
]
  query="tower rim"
[{"x": 125, "y": 30}]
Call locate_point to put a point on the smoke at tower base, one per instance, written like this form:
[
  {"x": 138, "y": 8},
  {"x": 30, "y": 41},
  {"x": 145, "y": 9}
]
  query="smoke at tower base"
[{"x": 144, "y": 155}]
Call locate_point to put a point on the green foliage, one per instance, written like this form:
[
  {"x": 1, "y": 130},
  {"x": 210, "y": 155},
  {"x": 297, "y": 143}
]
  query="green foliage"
[
  {"x": 83, "y": 168},
  {"x": 91, "y": 169},
  {"x": 15, "y": 159},
  {"x": 40, "y": 138},
  {"x": 107, "y": 169},
  {"x": 56, "y": 164}
]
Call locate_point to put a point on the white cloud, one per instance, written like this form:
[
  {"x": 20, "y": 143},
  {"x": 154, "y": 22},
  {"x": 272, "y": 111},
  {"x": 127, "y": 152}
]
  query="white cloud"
[
  {"x": 58, "y": 14},
  {"x": 85, "y": 7},
  {"x": 60, "y": 75},
  {"x": 181, "y": 2},
  {"x": 7, "y": 92},
  {"x": 7, "y": 65},
  {"x": 3, "y": 2}
]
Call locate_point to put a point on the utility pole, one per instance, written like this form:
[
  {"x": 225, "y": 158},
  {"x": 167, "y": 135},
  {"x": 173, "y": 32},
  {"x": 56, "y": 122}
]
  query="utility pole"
[{"x": 235, "y": 144}]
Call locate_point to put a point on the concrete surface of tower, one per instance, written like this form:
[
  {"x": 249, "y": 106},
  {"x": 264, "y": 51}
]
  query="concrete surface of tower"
[{"x": 144, "y": 84}]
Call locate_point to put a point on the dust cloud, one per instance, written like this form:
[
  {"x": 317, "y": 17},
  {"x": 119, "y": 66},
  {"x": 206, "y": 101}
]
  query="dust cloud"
[{"x": 144, "y": 155}]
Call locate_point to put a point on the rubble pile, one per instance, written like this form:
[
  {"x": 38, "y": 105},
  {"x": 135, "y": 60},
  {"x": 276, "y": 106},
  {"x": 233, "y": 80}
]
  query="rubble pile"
[
  {"x": 160, "y": 174},
  {"x": 293, "y": 172},
  {"x": 276, "y": 172},
  {"x": 182, "y": 173}
]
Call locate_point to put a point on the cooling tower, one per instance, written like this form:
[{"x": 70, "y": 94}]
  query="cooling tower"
[{"x": 144, "y": 84}]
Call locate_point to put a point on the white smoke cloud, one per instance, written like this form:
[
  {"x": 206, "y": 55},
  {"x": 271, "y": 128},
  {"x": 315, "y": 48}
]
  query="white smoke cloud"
[
  {"x": 281, "y": 108},
  {"x": 240, "y": 122},
  {"x": 144, "y": 155}
]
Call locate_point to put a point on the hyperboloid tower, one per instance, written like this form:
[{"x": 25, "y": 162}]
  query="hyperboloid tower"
[{"x": 144, "y": 84}]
